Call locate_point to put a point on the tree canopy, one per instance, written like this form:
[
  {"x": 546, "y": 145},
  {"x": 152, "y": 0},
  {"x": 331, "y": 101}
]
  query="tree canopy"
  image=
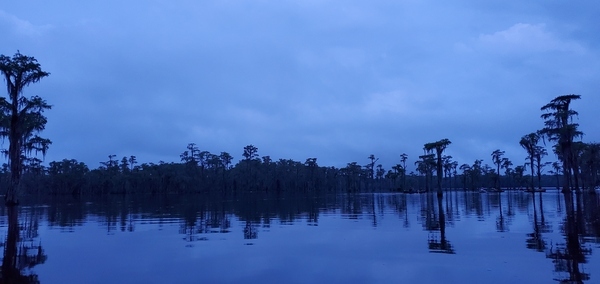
[{"x": 21, "y": 118}]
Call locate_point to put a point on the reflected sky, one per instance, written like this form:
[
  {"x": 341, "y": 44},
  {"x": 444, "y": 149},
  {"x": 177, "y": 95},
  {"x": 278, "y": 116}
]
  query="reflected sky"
[{"x": 367, "y": 238}]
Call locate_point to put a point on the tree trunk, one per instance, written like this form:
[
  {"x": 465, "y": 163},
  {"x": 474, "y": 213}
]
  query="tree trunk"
[{"x": 14, "y": 155}]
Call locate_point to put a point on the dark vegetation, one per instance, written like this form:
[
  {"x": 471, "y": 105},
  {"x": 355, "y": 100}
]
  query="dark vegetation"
[{"x": 21, "y": 119}]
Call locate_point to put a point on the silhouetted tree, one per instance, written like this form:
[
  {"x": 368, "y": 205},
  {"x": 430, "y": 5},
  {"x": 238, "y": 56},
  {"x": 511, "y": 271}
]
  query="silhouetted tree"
[
  {"x": 590, "y": 165},
  {"x": 438, "y": 147},
  {"x": 497, "y": 159},
  {"x": 466, "y": 169},
  {"x": 540, "y": 152},
  {"x": 506, "y": 164},
  {"x": 371, "y": 166},
  {"x": 529, "y": 143},
  {"x": 559, "y": 128},
  {"x": 403, "y": 158},
  {"x": 425, "y": 167},
  {"x": 519, "y": 175},
  {"x": 250, "y": 152},
  {"x": 21, "y": 118}
]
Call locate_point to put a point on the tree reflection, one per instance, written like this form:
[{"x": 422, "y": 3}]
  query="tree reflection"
[
  {"x": 250, "y": 231},
  {"x": 501, "y": 221},
  {"x": 440, "y": 244},
  {"x": 535, "y": 240},
  {"x": 569, "y": 257},
  {"x": 206, "y": 217},
  {"x": 19, "y": 256}
]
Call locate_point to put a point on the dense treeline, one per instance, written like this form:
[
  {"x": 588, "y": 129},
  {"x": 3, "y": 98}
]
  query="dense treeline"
[
  {"x": 202, "y": 171},
  {"x": 22, "y": 119}
]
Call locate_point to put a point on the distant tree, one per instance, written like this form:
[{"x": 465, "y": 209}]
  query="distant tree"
[
  {"x": 446, "y": 165},
  {"x": 425, "y": 166},
  {"x": 124, "y": 165},
  {"x": 353, "y": 173},
  {"x": 590, "y": 164},
  {"x": 497, "y": 159},
  {"x": 449, "y": 166},
  {"x": 476, "y": 173},
  {"x": 506, "y": 165},
  {"x": 540, "y": 152},
  {"x": 466, "y": 169},
  {"x": 311, "y": 163},
  {"x": 529, "y": 143},
  {"x": 403, "y": 158},
  {"x": 111, "y": 165},
  {"x": 226, "y": 159},
  {"x": 250, "y": 152},
  {"x": 132, "y": 162},
  {"x": 66, "y": 176},
  {"x": 556, "y": 170},
  {"x": 21, "y": 118},
  {"x": 380, "y": 172},
  {"x": 519, "y": 173},
  {"x": 559, "y": 128},
  {"x": 371, "y": 166},
  {"x": 438, "y": 147},
  {"x": 453, "y": 166},
  {"x": 192, "y": 155}
]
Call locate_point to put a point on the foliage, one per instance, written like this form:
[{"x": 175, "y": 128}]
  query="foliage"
[
  {"x": 560, "y": 128},
  {"x": 21, "y": 118}
]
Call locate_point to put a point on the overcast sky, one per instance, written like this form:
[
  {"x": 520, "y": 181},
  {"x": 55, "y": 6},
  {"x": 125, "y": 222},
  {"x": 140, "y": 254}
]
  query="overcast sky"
[{"x": 335, "y": 80}]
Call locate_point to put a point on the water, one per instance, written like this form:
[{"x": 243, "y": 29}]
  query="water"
[{"x": 364, "y": 238}]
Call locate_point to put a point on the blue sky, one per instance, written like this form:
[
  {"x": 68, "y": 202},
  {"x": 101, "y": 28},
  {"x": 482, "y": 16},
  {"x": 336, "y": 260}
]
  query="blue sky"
[{"x": 336, "y": 80}]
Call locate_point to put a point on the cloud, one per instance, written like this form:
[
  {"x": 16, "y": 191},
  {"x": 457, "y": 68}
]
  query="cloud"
[
  {"x": 20, "y": 26},
  {"x": 398, "y": 103},
  {"x": 337, "y": 81},
  {"x": 528, "y": 38}
]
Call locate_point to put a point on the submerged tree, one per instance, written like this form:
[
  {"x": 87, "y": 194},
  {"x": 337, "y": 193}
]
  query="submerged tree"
[
  {"x": 21, "y": 118},
  {"x": 466, "y": 169},
  {"x": 371, "y": 166},
  {"x": 590, "y": 164},
  {"x": 529, "y": 143},
  {"x": 403, "y": 158},
  {"x": 559, "y": 128},
  {"x": 439, "y": 147},
  {"x": 497, "y": 159},
  {"x": 506, "y": 165},
  {"x": 540, "y": 152},
  {"x": 556, "y": 170},
  {"x": 425, "y": 167}
]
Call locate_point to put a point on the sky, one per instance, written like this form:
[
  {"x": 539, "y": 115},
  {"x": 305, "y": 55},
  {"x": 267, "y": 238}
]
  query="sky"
[{"x": 334, "y": 80}]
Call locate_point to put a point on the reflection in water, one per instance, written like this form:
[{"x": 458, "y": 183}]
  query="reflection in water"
[
  {"x": 200, "y": 220},
  {"x": 441, "y": 244},
  {"x": 535, "y": 240},
  {"x": 20, "y": 252},
  {"x": 250, "y": 231},
  {"x": 501, "y": 220},
  {"x": 569, "y": 257}
]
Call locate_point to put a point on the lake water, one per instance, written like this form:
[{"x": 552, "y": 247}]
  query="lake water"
[{"x": 510, "y": 237}]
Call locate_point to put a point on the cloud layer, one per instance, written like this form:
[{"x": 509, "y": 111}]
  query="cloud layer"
[{"x": 299, "y": 79}]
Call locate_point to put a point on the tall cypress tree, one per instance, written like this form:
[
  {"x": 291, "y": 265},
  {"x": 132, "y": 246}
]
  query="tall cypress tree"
[{"x": 21, "y": 118}]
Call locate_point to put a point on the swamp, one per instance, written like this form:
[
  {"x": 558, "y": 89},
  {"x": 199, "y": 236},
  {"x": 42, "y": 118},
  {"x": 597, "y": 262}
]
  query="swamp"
[{"x": 464, "y": 237}]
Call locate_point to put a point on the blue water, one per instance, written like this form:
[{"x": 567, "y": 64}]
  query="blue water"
[{"x": 366, "y": 238}]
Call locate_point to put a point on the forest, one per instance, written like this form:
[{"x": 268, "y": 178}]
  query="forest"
[{"x": 22, "y": 120}]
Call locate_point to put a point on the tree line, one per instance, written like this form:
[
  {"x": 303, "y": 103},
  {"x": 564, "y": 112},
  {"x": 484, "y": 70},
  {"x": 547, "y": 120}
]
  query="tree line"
[{"x": 22, "y": 119}]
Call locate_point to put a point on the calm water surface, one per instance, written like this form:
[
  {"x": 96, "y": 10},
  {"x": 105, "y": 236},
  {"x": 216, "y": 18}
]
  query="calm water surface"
[{"x": 512, "y": 237}]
